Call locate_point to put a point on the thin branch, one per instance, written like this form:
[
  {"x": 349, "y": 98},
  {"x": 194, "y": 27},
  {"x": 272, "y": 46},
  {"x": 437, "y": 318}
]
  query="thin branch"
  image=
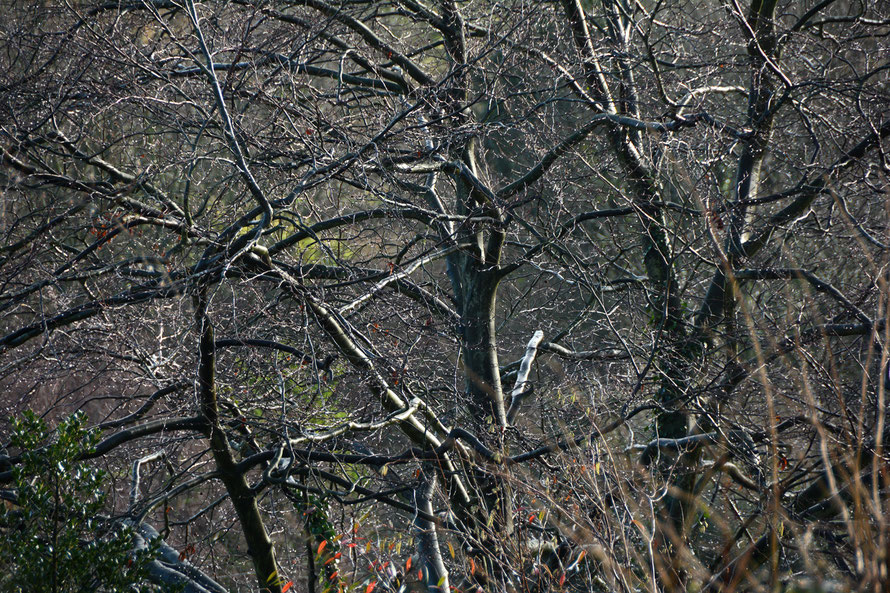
[{"x": 801, "y": 274}]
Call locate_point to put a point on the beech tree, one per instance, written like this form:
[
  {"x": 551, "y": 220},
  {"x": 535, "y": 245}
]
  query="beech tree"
[{"x": 501, "y": 296}]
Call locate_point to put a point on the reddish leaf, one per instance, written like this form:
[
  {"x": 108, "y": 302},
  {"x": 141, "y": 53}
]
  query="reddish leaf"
[
  {"x": 321, "y": 547},
  {"x": 408, "y": 565},
  {"x": 370, "y": 587},
  {"x": 287, "y": 586}
]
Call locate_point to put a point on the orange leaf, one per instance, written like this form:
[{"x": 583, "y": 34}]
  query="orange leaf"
[
  {"x": 562, "y": 579},
  {"x": 321, "y": 547},
  {"x": 408, "y": 565},
  {"x": 287, "y": 586},
  {"x": 472, "y": 566},
  {"x": 420, "y": 575},
  {"x": 370, "y": 587}
]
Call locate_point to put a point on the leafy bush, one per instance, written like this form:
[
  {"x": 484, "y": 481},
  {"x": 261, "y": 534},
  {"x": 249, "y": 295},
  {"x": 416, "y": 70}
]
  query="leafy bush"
[{"x": 55, "y": 536}]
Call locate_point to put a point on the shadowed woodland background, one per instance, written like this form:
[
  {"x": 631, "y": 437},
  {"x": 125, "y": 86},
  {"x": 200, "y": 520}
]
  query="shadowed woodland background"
[{"x": 358, "y": 295}]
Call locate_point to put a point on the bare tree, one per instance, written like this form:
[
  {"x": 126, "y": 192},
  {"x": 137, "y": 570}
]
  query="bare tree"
[{"x": 529, "y": 295}]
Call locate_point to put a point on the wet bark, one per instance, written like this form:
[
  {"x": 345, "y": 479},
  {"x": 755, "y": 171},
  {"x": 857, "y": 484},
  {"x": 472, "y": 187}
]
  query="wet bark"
[{"x": 259, "y": 545}]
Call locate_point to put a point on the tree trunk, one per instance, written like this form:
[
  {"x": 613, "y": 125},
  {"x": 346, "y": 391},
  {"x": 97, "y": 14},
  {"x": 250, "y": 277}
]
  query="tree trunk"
[{"x": 259, "y": 546}]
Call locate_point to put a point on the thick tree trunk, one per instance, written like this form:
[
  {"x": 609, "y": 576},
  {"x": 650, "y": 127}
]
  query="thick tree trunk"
[
  {"x": 480, "y": 360},
  {"x": 435, "y": 575},
  {"x": 475, "y": 281},
  {"x": 259, "y": 546},
  {"x": 475, "y": 276}
]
